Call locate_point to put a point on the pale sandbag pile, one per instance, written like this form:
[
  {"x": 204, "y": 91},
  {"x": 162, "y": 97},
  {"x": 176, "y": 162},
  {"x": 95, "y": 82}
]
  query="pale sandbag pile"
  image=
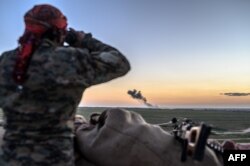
[{"x": 123, "y": 138}]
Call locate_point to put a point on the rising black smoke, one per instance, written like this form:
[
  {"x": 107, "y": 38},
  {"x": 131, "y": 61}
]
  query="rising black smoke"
[{"x": 137, "y": 95}]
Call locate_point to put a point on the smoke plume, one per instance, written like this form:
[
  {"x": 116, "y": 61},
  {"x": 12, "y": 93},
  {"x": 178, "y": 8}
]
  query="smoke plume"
[
  {"x": 137, "y": 95},
  {"x": 235, "y": 94}
]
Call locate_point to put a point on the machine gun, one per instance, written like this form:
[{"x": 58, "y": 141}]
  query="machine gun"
[{"x": 193, "y": 137}]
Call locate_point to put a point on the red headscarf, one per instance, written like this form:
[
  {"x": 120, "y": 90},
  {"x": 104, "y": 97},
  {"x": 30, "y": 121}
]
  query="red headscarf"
[{"x": 38, "y": 20}]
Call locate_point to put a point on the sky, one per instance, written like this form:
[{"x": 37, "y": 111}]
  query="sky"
[{"x": 183, "y": 53}]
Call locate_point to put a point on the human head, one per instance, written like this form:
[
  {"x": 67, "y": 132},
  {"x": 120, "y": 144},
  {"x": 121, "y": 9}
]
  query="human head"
[
  {"x": 42, "y": 21},
  {"x": 45, "y": 21}
]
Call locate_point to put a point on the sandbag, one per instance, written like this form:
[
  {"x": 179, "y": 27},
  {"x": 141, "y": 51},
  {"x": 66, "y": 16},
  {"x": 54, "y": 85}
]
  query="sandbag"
[{"x": 123, "y": 138}]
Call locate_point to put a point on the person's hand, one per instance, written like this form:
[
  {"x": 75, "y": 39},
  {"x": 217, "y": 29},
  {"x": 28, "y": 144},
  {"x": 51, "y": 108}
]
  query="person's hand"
[{"x": 74, "y": 38}]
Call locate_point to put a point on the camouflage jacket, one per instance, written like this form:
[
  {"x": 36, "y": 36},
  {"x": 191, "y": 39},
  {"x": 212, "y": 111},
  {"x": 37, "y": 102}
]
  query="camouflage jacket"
[{"x": 39, "y": 114}]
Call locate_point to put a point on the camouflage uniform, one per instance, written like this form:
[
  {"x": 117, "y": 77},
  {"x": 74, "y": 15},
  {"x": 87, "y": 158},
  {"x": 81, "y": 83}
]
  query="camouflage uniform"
[{"x": 39, "y": 115}]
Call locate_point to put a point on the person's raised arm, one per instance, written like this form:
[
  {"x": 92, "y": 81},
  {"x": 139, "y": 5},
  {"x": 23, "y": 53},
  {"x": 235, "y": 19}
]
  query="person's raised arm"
[{"x": 104, "y": 63}]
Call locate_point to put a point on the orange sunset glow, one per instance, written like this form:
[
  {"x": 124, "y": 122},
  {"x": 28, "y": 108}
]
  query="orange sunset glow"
[{"x": 182, "y": 53}]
